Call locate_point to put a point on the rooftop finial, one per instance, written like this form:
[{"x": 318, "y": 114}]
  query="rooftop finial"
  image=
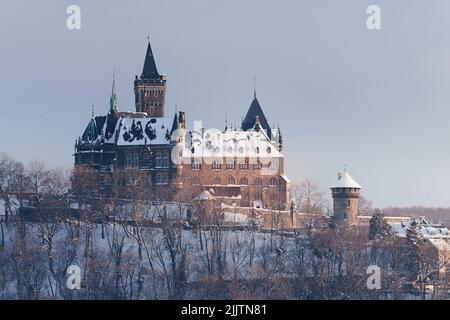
[
  {"x": 254, "y": 86},
  {"x": 148, "y": 38},
  {"x": 345, "y": 167},
  {"x": 113, "y": 101},
  {"x": 93, "y": 109},
  {"x": 226, "y": 123}
]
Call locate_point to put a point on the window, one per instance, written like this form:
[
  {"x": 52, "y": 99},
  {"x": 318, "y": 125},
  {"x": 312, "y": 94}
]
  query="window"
[
  {"x": 196, "y": 165},
  {"x": 273, "y": 182},
  {"x": 216, "y": 165},
  {"x": 257, "y": 165},
  {"x": 273, "y": 165},
  {"x": 230, "y": 164},
  {"x": 158, "y": 160},
  {"x": 258, "y": 182},
  {"x": 216, "y": 181},
  {"x": 161, "y": 179},
  {"x": 348, "y": 203},
  {"x": 161, "y": 160},
  {"x": 243, "y": 165},
  {"x": 258, "y": 196},
  {"x": 195, "y": 181},
  {"x": 131, "y": 160},
  {"x": 146, "y": 159},
  {"x": 244, "y": 181},
  {"x": 273, "y": 197},
  {"x": 165, "y": 160},
  {"x": 231, "y": 180}
]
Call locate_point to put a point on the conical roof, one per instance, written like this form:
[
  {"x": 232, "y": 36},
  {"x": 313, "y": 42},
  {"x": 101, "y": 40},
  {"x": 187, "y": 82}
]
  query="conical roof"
[
  {"x": 149, "y": 71},
  {"x": 346, "y": 181}
]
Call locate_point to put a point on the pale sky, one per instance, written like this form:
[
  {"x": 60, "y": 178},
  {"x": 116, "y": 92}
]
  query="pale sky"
[{"x": 377, "y": 100}]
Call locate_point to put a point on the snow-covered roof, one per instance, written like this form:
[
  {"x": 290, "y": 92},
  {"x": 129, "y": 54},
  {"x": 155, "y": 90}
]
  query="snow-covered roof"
[
  {"x": 346, "y": 181},
  {"x": 285, "y": 178},
  {"x": 139, "y": 131},
  {"x": 428, "y": 231},
  {"x": 233, "y": 142}
]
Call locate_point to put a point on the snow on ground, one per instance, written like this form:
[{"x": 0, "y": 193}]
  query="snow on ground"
[{"x": 236, "y": 217}]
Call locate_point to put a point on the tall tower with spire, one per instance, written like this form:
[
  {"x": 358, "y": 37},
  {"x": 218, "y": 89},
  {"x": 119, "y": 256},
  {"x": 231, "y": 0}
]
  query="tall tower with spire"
[{"x": 150, "y": 88}]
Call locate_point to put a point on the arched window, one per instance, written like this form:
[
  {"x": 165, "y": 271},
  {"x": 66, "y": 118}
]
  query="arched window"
[
  {"x": 273, "y": 182},
  {"x": 131, "y": 160},
  {"x": 158, "y": 160},
  {"x": 217, "y": 181},
  {"x": 273, "y": 197},
  {"x": 258, "y": 182},
  {"x": 165, "y": 160},
  {"x": 258, "y": 196},
  {"x": 231, "y": 180},
  {"x": 196, "y": 164},
  {"x": 216, "y": 165},
  {"x": 230, "y": 164},
  {"x": 146, "y": 159},
  {"x": 244, "y": 181}
]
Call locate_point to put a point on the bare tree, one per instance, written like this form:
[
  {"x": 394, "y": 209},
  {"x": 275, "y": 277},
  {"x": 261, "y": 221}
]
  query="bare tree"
[
  {"x": 309, "y": 198},
  {"x": 38, "y": 173}
]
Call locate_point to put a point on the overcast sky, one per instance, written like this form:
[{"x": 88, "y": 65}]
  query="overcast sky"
[{"x": 377, "y": 100}]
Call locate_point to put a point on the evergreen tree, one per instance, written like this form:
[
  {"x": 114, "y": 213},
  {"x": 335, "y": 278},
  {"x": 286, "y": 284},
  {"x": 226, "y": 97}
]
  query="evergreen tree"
[{"x": 379, "y": 227}]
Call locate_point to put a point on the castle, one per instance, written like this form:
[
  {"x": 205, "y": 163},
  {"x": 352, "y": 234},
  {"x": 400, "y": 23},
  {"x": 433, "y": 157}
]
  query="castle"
[{"x": 240, "y": 166}]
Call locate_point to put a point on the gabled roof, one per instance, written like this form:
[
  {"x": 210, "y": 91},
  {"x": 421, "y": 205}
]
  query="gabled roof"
[
  {"x": 346, "y": 181},
  {"x": 93, "y": 129},
  {"x": 149, "y": 71},
  {"x": 254, "y": 111}
]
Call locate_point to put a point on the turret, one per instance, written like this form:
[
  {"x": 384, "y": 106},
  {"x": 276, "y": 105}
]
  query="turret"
[{"x": 345, "y": 199}]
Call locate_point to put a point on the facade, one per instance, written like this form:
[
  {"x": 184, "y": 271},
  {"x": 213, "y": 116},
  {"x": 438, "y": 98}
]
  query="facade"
[
  {"x": 345, "y": 195},
  {"x": 244, "y": 166}
]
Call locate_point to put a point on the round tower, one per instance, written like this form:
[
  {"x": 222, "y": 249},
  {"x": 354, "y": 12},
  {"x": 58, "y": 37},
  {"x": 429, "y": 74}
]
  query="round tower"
[{"x": 345, "y": 199}]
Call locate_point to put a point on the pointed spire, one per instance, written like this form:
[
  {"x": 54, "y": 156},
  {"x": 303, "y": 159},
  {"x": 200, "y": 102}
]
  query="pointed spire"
[
  {"x": 280, "y": 139},
  {"x": 113, "y": 101},
  {"x": 226, "y": 123},
  {"x": 93, "y": 110},
  {"x": 149, "y": 71},
  {"x": 250, "y": 118}
]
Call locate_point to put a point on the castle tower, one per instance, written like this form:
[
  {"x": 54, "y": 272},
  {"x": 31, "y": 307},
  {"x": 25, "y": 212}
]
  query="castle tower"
[
  {"x": 345, "y": 199},
  {"x": 150, "y": 88}
]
